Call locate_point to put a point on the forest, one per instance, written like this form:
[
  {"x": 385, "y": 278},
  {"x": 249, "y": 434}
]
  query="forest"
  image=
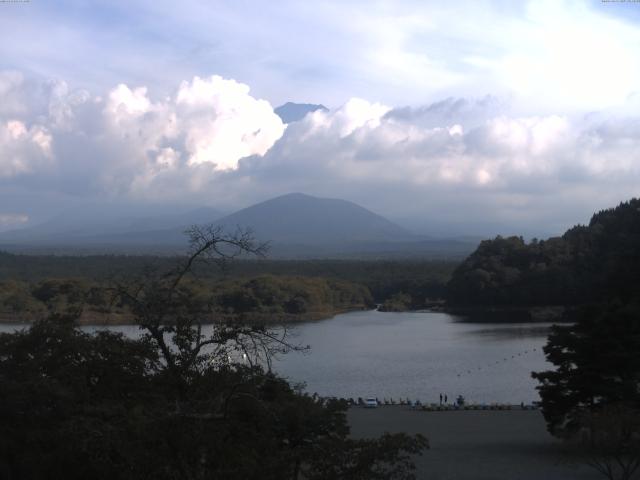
[
  {"x": 588, "y": 263},
  {"x": 280, "y": 290},
  {"x": 264, "y": 298},
  {"x": 596, "y": 262}
]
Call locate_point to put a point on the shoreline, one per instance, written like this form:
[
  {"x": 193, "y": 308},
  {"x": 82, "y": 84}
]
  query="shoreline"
[
  {"x": 532, "y": 314},
  {"x": 99, "y": 319},
  {"x": 502, "y": 313},
  {"x": 496, "y": 313},
  {"x": 480, "y": 314},
  {"x": 476, "y": 444}
]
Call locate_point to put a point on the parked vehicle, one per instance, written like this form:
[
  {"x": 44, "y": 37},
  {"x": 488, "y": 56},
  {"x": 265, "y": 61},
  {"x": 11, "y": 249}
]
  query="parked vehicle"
[{"x": 370, "y": 403}]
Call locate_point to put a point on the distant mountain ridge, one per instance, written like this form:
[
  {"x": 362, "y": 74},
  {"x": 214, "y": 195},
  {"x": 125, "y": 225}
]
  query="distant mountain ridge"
[
  {"x": 297, "y": 218},
  {"x": 101, "y": 228},
  {"x": 296, "y": 225}
]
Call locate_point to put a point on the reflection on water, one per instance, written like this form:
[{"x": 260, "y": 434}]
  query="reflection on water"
[
  {"x": 418, "y": 355},
  {"x": 12, "y": 327},
  {"x": 415, "y": 355},
  {"x": 514, "y": 331}
]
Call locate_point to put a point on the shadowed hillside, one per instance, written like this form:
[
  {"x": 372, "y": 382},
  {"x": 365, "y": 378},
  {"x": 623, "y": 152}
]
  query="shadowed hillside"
[
  {"x": 587, "y": 264},
  {"x": 302, "y": 219}
]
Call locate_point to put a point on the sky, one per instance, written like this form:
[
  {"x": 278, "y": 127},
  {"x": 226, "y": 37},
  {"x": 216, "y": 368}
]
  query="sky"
[{"x": 479, "y": 117}]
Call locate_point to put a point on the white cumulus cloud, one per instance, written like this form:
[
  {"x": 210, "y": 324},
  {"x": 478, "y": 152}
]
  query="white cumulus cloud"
[
  {"x": 23, "y": 148},
  {"x": 122, "y": 141},
  {"x": 212, "y": 142},
  {"x": 223, "y": 123}
]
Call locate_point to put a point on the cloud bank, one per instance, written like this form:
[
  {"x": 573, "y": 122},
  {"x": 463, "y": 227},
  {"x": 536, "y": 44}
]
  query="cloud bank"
[
  {"x": 121, "y": 141},
  {"x": 576, "y": 54},
  {"x": 212, "y": 142}
]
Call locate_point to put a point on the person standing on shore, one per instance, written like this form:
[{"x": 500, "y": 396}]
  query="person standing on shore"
[
  {"x": 440, "y": 399},
  {"x": 445, "y": 398}
]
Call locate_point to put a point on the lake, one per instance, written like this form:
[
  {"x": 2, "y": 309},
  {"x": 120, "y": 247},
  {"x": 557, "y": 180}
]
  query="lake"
[
  {"x": 415, "y": 355},
  {"x": 418, "y": 355}
]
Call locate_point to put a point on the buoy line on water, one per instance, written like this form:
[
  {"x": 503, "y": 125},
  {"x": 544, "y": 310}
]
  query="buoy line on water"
[{"x": 470, "y": 371}]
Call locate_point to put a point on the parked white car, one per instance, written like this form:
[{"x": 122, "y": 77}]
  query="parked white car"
[{"x": 370, "y": 403}]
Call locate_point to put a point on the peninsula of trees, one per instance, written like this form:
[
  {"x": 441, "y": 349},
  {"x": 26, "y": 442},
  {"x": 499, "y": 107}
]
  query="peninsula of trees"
[{"x": 592, "y": 263}]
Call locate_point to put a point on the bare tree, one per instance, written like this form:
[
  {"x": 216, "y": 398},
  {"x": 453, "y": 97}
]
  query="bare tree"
[{"x": 175, "y": 320}]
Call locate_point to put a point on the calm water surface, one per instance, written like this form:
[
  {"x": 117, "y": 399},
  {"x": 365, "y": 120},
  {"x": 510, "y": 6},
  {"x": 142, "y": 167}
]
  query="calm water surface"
[
  {"x": 418, "y": 355},
  {"x": 415, "y": 355}
]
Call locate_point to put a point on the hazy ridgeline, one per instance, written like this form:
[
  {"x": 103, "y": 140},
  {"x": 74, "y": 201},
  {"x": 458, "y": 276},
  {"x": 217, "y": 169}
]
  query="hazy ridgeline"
[{"x": 297, "y": 226}]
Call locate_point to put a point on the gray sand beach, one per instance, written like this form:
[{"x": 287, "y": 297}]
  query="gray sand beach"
[{"x": 476, "y": 445}]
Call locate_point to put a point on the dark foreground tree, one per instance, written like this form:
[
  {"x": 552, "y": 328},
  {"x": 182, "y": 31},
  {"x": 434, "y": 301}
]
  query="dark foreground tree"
[
  {"x": 597, "y": 363},
  {"x": 593, "y": 396},
  {"x": 611, "y": 445},
  {"x": 190, "y": 399}
]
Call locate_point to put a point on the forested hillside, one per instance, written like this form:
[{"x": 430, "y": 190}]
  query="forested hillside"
[
  {"x": 420, "y": 279},
  {"x": 264, "y": 298},
  {"x": 587, "y": 264}
]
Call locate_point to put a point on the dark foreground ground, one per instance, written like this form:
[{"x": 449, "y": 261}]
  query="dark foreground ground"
[{"x": 476, "y": 445}]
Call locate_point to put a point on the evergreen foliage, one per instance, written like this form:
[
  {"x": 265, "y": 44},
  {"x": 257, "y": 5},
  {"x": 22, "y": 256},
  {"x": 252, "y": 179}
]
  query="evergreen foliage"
[
  {"x": 588, "y": 263},
  {"x": 597, "y": 362}
]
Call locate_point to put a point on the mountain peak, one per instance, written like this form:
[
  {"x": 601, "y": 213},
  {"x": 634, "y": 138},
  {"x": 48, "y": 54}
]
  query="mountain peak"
[
  {"x": 298, "y": 218},
  {"x": 294, "y": 196},
  {"x": 293, "y": 112}
]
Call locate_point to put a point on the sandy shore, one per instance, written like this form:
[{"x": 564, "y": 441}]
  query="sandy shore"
[{"x": 476, "y": 445}]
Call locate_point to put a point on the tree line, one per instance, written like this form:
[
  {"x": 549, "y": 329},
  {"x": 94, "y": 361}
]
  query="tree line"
[
  {"x": 589, "y": 263},
  {"x": 30, "y": 284},
  {"x": 592, "y": 396},
  {"x": 276, "y": 298}
]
